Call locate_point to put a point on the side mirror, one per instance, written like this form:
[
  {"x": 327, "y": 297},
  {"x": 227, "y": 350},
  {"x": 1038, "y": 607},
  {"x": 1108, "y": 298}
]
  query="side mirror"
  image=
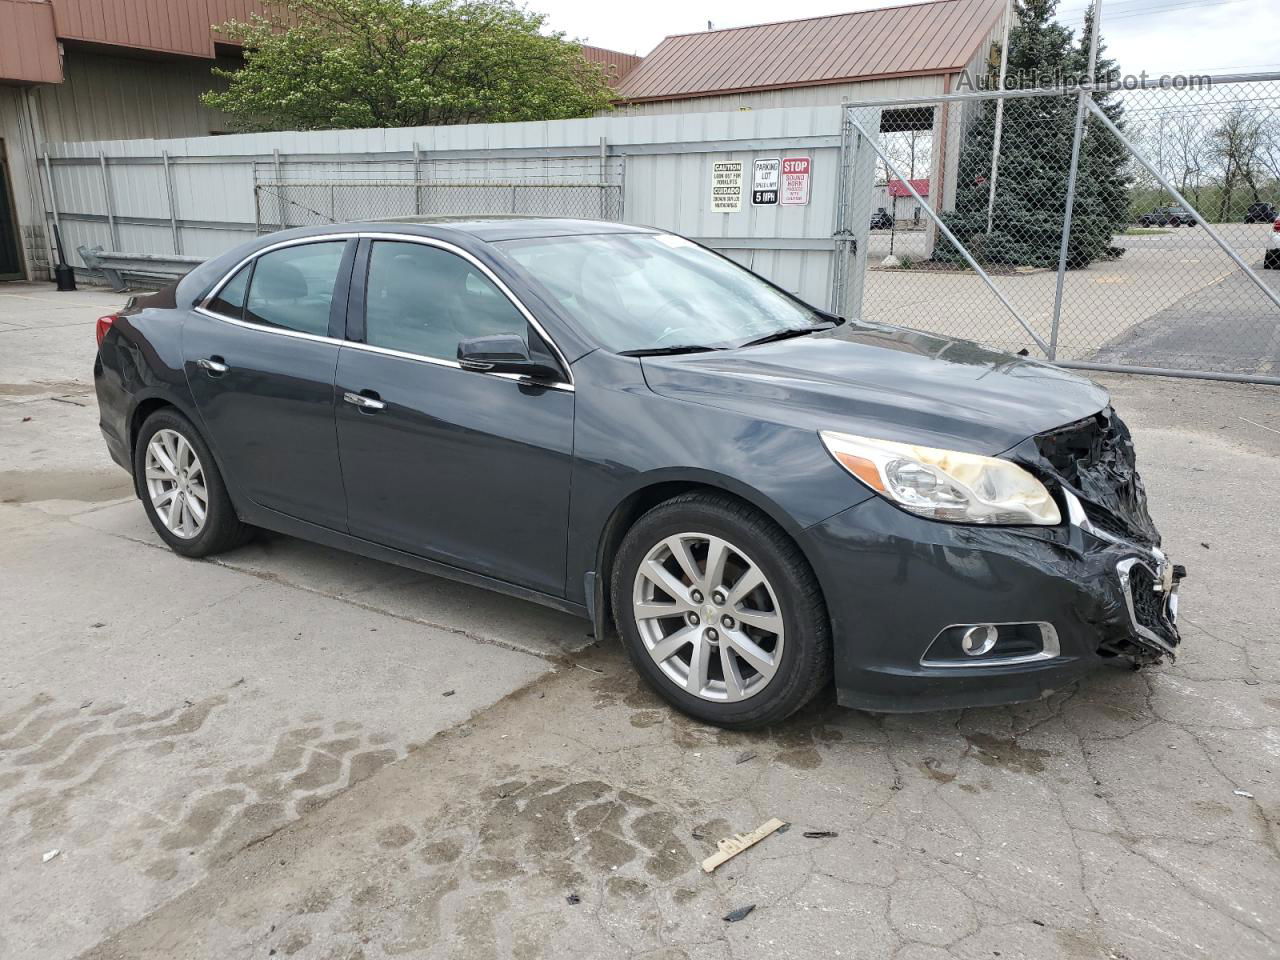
[{"x": 503, "y": 353}]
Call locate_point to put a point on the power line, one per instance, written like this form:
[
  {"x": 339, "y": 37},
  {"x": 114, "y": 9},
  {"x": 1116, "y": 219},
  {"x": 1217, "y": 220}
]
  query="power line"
[
  {"x": 1197, "y": 107},
  {"x": 1126, "y": 13}
]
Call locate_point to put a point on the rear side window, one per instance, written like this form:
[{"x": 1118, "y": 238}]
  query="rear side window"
[
  {"x": 230, "y": 299},
  {"x": 292, "y": 288}
]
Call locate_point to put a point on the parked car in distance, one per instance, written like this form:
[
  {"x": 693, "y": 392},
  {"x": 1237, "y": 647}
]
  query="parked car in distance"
[
  {"x": 881, "y": 219},
  {"x": 1260, "y": 213},
  {"x": 1168, "y": 217},
  {"x": 620, "y": 423},
  {"x": 1271, "y": 259}
]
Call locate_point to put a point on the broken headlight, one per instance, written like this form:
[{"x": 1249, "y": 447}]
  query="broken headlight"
[{"x": 945, "y": 484}]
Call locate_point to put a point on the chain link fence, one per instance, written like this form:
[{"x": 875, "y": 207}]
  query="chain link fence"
[
  {"x": 967, "y": 201},
  {"x": 305, "y": 193}
]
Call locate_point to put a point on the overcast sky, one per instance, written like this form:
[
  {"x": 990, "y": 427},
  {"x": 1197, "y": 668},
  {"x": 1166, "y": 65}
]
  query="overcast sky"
[{"x": 1158, "y": 36}]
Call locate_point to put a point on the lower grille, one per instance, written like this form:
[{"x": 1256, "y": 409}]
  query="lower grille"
[{"x": 1149, "y": 606}]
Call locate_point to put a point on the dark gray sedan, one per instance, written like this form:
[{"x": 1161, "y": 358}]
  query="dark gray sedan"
[{"x": 617, "y": 422}]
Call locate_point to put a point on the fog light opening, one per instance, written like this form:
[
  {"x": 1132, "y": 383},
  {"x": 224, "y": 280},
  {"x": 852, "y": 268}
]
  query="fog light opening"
[{"x": 978, "y": 641}]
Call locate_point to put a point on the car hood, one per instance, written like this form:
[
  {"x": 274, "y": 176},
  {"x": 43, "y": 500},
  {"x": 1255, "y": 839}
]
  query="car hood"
[{"x": 885, "y": 382}]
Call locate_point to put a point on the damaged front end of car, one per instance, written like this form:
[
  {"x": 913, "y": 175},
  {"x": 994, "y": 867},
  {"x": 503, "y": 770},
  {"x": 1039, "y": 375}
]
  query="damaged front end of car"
[
  {"x": 932, "y": 615},
  {"x": 1092, "y": 466}
]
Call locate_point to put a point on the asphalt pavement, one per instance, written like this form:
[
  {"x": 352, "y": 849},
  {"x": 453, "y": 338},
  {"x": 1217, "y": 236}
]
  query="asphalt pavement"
[{"x": 293, "y": 752}]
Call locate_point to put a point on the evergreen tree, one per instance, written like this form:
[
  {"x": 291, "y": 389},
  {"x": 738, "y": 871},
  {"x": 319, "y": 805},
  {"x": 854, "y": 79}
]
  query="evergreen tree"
[{"x": 1035, "y": 156}]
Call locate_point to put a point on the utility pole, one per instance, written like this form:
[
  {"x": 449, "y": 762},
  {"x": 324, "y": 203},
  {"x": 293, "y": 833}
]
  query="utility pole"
[
  {"x": 1160, "y": 148},
  {"x": 995, "y": 146},
  {"x": 1086, "y": 94}
]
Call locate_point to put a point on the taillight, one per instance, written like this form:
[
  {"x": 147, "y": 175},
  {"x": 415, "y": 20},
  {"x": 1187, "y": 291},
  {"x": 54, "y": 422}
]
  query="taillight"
[
  {"x": 1276, "y": 228},
  {"x": 104, "y": 324}
]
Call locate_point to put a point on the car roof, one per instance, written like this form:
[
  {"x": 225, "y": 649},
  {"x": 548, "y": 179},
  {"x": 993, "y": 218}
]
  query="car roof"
[{"x": 493, "y": 228}]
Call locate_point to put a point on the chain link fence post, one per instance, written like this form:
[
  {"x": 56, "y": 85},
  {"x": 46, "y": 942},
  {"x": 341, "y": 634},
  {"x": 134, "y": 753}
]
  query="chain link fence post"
[
  {"x": 108, "y": 202},
  {"x": 1067, "y": 216},
  {"x": 53, "y": 209},
  {"x": 174, "y": 232},
  {"x": 417, "y": 180}
]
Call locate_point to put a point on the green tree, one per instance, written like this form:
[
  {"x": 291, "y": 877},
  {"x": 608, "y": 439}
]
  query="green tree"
[
  {"x": 326, "y": 64},
  {"x": 1035, "y": 156}
]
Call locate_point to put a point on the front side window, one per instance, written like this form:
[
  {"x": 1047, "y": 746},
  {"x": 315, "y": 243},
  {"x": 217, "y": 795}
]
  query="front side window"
[
  {"x": 292, "y": 288},
  {"x": 423, "y": 300},
  {"x": 652, "y": 291}
]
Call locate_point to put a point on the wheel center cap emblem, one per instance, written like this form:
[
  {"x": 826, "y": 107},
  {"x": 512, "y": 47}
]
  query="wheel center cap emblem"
[{"x": 709, "y": 613}]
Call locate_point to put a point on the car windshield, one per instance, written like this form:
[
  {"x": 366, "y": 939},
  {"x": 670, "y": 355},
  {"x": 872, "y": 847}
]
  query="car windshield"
[{"x": 645, "y": 292}]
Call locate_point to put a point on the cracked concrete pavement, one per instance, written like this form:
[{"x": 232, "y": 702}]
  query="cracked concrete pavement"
[{"x": 256, "y": 756}]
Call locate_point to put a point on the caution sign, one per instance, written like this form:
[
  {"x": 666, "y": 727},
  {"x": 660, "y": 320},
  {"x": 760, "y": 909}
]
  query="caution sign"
[
  {"x": 795, "y": 180},
  {"x": 726, "y": 186},
  {"x": 764, "y": 182}
]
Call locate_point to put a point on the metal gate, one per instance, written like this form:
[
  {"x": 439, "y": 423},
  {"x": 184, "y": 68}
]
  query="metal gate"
[
  {"x": 1117, "y": 228},
  {"x": 298, "y": 193}
]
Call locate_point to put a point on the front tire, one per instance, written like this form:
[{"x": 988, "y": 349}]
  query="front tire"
[
  {"x": 720, "y": 612},
  {"x": 182, "y": 490}
]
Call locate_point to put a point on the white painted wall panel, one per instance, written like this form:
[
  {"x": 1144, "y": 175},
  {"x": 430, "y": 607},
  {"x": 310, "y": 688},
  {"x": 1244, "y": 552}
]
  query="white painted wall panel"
[
  {"x": 814, "y": 96},
  {"x": 664, "y": 162}
]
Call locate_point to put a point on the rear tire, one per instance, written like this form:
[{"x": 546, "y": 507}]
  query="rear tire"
[
  {"x": 720, "y": 612},
  {"x": 182, "y": 489}
]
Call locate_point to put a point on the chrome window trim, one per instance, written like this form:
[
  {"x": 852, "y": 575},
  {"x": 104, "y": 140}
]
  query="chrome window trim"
[
  {"x": 441, "y": 362},
  {"x": 203, "y": 306},
  {"x": 1050, "y": 648},
  {"x": 495, "y": 280},
  {"x": 278, "y": 331}
]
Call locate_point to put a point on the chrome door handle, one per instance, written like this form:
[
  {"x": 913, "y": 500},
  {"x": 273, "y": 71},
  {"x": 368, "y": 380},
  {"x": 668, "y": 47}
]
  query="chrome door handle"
[
  {"x": 213, "y": 366},
  {"x": 364, "y": 403}
]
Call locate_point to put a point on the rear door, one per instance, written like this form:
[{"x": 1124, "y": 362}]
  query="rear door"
[
  {"x": 471, "y": 469},
  {"x": 260, "y": 359}
]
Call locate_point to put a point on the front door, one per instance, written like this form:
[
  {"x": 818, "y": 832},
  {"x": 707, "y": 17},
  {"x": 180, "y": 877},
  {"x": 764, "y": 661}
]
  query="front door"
[
  {"x": 467, "y": 468},
  {"x": 260, "y": 362}
]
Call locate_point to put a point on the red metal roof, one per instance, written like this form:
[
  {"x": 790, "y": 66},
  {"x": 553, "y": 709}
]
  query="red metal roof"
[
  {"x": 168, "y": 26},
  {"x": 914, "y": 40},
  {"x": 899, "y": 189},
  {"x": 30, "y": 30},
  {"x": 615, "y": 65},
  {"x": 28, "y": 45}
]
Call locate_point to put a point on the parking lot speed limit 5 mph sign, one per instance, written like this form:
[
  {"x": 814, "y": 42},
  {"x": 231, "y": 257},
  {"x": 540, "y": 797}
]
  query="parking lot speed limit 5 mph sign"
[{"x": 764, "y": 182}]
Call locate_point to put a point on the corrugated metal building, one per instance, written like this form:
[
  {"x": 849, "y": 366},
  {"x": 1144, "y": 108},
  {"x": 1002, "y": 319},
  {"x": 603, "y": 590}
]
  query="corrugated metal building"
[
  {"x": 892, "y": 53},
  {"x": 111, "y": 69},
  {"x": 93, "y": 69},
  {"x": 902, "y": 51}
]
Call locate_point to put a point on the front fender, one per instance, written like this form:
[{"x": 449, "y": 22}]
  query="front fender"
[{"x": 628, "y": 440}]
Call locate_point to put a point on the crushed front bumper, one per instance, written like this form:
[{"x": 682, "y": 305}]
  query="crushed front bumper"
[{"x": 895, "y": 583}]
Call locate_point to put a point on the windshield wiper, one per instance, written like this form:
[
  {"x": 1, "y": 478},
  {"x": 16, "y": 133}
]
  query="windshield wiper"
[
  {"x": 668, "y": 351},
  {"x": 789, "y": 332}
]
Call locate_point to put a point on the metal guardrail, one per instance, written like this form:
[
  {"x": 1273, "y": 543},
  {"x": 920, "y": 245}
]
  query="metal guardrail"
[{"x": 118, "y": 268}]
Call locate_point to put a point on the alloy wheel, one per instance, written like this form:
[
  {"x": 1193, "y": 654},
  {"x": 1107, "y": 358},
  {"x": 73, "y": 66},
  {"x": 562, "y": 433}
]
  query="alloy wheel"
[
  {"x": 176, "y": 484},
  {"x": 708, "y": 617}
]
